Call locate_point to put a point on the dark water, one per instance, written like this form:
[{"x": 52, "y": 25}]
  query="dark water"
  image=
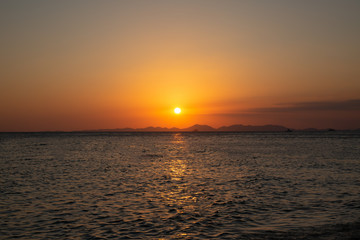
[{"x": 180, "y": 186}]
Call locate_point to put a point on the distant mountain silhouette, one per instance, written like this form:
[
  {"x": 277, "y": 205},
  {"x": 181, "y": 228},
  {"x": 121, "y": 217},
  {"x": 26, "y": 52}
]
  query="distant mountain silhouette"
[
  {"x": 199, "y": 128},
  {"x": 203, "y": 128},
  {"x": 250, "y": 128},
  {"x": 310, "y": 130},
  {"x": 155, "y": 129},
  {"x": 206, "y": 128}
]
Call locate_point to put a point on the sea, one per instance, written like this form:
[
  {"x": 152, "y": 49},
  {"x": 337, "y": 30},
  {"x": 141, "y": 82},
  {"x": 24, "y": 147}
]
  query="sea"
[{"x": 111, "y": 185}]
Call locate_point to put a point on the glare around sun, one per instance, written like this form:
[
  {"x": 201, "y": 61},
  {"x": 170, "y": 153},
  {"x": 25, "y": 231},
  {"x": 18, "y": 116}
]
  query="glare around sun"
[{"x": 177, "y": 110}]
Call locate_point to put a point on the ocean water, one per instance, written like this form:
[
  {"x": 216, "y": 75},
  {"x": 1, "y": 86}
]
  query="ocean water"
[{"x": 180, "y": 185}]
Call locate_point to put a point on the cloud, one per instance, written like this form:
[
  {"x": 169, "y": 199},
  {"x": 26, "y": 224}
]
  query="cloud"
[
  {"x": 349, "y": 105},
  {"x": 299, "y": 115},
  {"x": 323, "y": 111}
]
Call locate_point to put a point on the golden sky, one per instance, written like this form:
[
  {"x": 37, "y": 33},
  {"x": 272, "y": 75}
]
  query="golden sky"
[{"x": 74, "y": 65}]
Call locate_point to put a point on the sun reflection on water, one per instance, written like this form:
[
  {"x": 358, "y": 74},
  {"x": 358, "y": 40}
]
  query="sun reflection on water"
[
  {"x": 178, "y": 140},
  {"x": 176, "y": 193},
  {"x": 177, "y": 161},
  {"x": 176, "y": 190}
]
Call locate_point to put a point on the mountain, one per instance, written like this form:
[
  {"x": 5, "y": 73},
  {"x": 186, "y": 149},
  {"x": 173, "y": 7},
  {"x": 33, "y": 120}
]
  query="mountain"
[
  {"x": 309, "y": 130},
  {"x": 199, "y": 128},
  {"x": 147, "y": 129},
  {"x": 250, "y": 128},
  {"x": 153, "y": 129},
  {"x": 202, "y": 128}
]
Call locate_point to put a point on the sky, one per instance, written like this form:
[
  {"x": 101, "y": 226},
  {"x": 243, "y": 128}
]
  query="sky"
[{"x": 76, "y": 65}]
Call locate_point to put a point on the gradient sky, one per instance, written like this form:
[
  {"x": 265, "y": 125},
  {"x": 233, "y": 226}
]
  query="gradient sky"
[{"x": 73, "y": 65}]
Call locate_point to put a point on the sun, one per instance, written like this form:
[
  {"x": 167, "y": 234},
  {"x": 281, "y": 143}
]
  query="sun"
[{"x": 177, "y": 110}]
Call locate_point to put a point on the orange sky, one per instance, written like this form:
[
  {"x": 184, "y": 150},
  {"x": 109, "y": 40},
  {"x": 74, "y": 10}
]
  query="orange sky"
[{"x": 111, "y": 64}]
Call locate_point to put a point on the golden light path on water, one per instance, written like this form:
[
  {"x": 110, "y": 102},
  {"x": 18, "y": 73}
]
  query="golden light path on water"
[{"x": 179, "y": 195}]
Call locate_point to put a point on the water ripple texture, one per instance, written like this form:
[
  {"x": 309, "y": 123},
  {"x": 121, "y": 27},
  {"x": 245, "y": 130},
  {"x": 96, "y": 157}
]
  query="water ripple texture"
[{"x": 180, "y": 185}]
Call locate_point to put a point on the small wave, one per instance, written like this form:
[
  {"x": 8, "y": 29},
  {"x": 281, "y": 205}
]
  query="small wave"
[
  {"x": 345, "y": 231},
  {"x": 150, "y": 155}
]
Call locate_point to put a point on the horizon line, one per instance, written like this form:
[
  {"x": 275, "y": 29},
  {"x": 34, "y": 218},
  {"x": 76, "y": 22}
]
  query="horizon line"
[{"x": 194, "y": 128}]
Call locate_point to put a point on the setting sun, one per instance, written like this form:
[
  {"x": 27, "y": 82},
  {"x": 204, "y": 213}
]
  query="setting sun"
[{"x": 177, "y": 110}]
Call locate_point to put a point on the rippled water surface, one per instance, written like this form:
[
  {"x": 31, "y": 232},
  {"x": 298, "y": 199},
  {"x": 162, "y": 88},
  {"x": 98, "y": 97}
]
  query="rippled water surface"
[{"x": 180, "y": 185}]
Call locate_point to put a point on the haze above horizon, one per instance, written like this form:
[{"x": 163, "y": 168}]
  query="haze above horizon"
[{"x": 74, "y": 65}]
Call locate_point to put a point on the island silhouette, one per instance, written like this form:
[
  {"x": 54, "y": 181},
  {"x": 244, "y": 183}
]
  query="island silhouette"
[{"x": 207, "y": 128}]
